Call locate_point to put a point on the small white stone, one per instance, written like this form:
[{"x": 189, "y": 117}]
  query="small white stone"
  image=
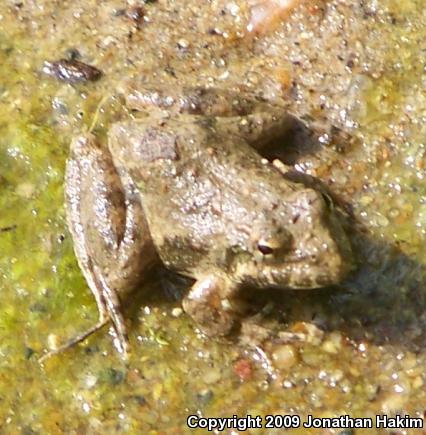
[
  {"x": 176, "y": 312},
  {"x": 226, "y": 305},
  {"x": 183, "y": 44},
  {"x": 284, "y": 356},
  {"x": 52, "y": 342},
  {"x": 362, "y": 347},
  {"x": 287, "y": 384},
  {"x": 233, "y": 9},
  {"x": 398, "y": 388},
  {"x": 90, "y": 381}
]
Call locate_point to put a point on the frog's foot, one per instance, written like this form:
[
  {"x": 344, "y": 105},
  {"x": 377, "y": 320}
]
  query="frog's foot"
[
  {"x": 113, "y": 305},
  {"x": 109, "y": 308},
  {"x": 246, "y": 115},
  {"x": 208, "y": 303},
  {"x": 194, "y": 100}
]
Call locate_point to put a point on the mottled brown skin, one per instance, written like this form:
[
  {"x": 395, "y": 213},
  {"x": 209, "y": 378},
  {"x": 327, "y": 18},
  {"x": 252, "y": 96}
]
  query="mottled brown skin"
[{"x": 191, "y": 191}]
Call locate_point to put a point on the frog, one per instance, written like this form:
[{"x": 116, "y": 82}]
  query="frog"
[{"x": 183, "y": 184}]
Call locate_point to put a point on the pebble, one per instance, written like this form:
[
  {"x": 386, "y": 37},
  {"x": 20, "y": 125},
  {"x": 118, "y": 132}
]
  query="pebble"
[
  {"x": 211, "y": 376},
  {"x": 136, "y": 14},
  {"x": 176, "y": 312},
  {"x": 72, "y": 54},
  {"x": 115, "y": 376},
  {"x": 332, "y": 377},
  {"x": 243, "y": 369},
  {"x": 72, "y": 71},
  {"x": 183, "y": 44},
  {"x": 394, "y": 213},
  {"x": 393, "y": 402},
  {"x": 52, "y": 342},
  {"x": 90, "y": 381},
  {"x": 28, "y": 352},
  {"x": 312, "y": 333},
  {"x": 205, "y": 396},
  {"x": 365, "y": 200},
  {"x": 378, "y": 220},
  {"x": 284, "y": 356},
  {"x": 333, "y": 344},
  {"x": 233, "y": 9},
  {"x": 417, "y": 382}
]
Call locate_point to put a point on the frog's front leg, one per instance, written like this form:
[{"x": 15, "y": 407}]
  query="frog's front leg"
[
  {"x": 209, "y": 304},
  {"x": 110, "y": 234}
]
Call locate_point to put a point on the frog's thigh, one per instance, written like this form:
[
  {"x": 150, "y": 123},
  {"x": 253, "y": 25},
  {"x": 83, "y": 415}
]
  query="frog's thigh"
[
  {"x": 194, "y": 100},
  {"x": 208, "y": 303},
  {"x": 74, "y": 182}
]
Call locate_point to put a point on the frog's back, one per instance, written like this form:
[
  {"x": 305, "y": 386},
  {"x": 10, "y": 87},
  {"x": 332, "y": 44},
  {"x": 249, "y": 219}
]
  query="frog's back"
[{"x": 202, "y": 193}]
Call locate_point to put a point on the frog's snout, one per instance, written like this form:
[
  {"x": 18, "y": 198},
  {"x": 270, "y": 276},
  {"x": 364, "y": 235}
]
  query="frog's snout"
[{"x": 321, "y": 254}]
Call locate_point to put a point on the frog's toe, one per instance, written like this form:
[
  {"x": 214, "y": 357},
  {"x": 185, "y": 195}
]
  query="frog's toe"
[{"x": 113, "y": 304}]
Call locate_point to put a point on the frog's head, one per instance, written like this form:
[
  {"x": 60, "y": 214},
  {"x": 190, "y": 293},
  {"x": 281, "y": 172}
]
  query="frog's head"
[{"x": 299, "y": 245}]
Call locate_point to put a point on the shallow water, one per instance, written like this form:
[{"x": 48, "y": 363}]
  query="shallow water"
[{"x": 371, "y": 357}]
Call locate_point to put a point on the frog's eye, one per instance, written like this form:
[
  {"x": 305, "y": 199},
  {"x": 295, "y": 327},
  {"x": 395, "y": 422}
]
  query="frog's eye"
[
  {"x": 269, "y": 245},
  {"x": 279, "y": 242},
  {"x": 264, "y": 248}
]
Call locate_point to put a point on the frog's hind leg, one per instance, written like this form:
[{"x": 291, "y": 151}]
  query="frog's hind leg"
[
  {"x": 260, "y": 129},
  {"x": 258, "y": 121},
  {"x": 195, "y": 100},
  {"x": 111, "y": 240},
  {"x": 89, "y": 179}
]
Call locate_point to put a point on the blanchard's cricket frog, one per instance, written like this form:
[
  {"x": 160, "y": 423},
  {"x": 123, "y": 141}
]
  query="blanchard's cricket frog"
[{"x": 187, "y": 187}]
